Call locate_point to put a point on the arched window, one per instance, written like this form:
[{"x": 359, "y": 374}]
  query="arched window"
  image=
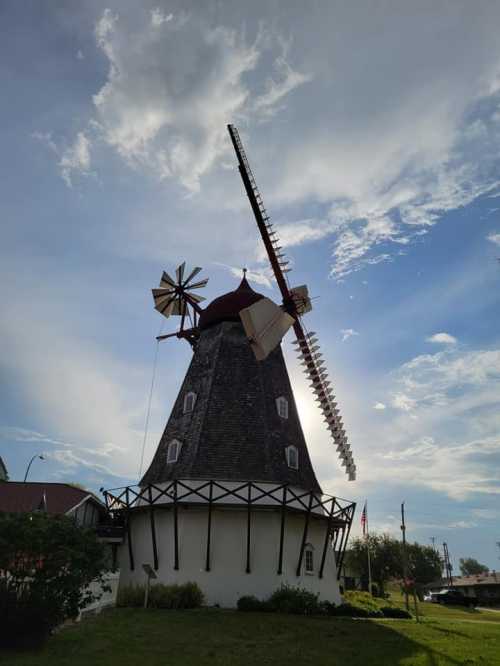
[
  {"x": 309, "y": 558},
  {"x": 189, "y": 401},
  {"x": 174, "y": 448},
  {"x": 282, "y": 407},
  {"x": 292, "y": 457}
]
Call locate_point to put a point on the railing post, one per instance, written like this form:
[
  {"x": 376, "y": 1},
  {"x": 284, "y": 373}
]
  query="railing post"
[
  {"x": 129, "y": 532},
  {"x": 282, "y": 531},
  {"x": 176, "y": 529},
  {"x": 327, "y": 539},
  {"x": 304, "y": 535},
  {"x": 209, "y": 525},
  {"x": 153, "y": 528},
  {"x": 249, "y": 515}
]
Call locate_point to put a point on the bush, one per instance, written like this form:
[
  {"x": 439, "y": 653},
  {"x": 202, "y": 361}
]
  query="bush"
[
  {"x": 130, "y": 596},
  {"x": 251, "y": 604},
  {"x": 391, "y": 611},
  {"x": 350, "y": 610},
  {"x": 187, "y": 595},
  {"x": 174, "y": 596},
  {"x": 46, "y": 565},
  {"x": 362, "y": 600},
  {"x": 295, "y": 600}
]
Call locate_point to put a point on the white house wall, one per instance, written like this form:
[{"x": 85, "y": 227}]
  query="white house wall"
[{"x": 227, "y": 580}]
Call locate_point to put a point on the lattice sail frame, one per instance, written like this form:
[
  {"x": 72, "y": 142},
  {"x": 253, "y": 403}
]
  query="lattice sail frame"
[{"x": 306, "y": 343}]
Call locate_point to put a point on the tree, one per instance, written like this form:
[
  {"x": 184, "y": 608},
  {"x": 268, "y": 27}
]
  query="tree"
[
  {"x": 471, "y": 567},
  {"x": 386, "y": 556},
  {"x": 46, "y": 564}
]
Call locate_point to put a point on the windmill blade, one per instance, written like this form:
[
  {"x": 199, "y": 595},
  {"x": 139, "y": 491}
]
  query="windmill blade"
[
  {"x": 321, "y": 387},
  {"x": 179, "y": 271},
  {"x": 265, "y": 324},
  {"x": 164, "y": 304},
  {"x": 198, "y": 285},
  {"x": 167, "y": 281},
  {"x": 261, "y": 217},
  {"x": 194, "y": 272},
  {"x": 195, "y": 297}
]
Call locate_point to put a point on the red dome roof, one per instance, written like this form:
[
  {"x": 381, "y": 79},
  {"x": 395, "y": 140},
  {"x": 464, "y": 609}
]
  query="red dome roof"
[{"x": 228, "y": 306}]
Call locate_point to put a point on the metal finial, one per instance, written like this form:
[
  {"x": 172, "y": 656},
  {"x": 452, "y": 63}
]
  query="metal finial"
[{"x": 244, "y": 272}]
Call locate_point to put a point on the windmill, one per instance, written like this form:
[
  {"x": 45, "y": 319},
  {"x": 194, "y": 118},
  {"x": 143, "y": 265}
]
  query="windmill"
[{"x": 230, "y": 498}]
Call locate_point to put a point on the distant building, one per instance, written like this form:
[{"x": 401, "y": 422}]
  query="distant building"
[
  {"x": 3, "y": 471},
  {"x": 485, "y": 587}
]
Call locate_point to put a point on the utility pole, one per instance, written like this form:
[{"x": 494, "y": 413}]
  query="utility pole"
[
  {"x": 405, "y": 560},
  {"x": 447, "y": 565}
]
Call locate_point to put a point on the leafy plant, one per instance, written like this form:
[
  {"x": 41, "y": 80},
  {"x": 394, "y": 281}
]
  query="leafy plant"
[
  {"x": 188, "y": 595},
  {"x": 295, "y": 600},
  {"x": 46, "y": 565},
  {"x": 251, "y": 604},
  {"x": 394, "y": 612}
]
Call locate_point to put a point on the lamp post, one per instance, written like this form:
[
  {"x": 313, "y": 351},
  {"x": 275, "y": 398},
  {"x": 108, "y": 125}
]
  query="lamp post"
[{"x": 37, "y": 455}]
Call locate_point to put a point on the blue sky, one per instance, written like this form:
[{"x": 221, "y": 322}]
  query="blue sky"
[{"x": 374, "y": 134}]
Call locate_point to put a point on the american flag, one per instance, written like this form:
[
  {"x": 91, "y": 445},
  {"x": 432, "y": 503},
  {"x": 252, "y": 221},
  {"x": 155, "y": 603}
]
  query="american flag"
[{"x": 364, "y": 520}]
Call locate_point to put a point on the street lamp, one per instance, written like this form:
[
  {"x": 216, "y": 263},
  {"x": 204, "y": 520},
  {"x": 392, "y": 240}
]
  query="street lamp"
[{"x": 37, "y": 455}]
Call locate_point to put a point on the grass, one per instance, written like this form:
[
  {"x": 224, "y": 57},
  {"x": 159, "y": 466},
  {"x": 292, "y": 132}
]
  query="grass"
[{"x": 131, "y": 636}]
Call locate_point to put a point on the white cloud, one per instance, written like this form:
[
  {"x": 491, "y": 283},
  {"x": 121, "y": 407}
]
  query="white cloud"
[
  {"x": 171, "y": 118},
  {"x": 276, "y": 89},
  {"x": 75, "y": 158},
  {"x": 347, "y": 333},
  {"x": 79, "y": 55},
  {"x": 379, "y": 406},
  {"x": 442, "y": 339},
  {"x": 403, "y": 402},
  {"x": 494, "y": 238},
  {"x": 158, "y": 18}
]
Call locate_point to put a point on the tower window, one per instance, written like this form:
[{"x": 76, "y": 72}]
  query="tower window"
[
  {"x": 189, "y": 402},
  {"x": 309, "y": 559},
  {"x": 292, "y": 457},
  {"x": 174, "y": 448},
  {"x": 282, "y": 407}
]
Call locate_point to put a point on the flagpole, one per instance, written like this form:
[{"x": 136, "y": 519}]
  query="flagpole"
[{"x": 368, "y": 550}]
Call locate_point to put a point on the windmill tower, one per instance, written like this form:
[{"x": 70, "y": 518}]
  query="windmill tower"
[{"x": 230, "y": 499}]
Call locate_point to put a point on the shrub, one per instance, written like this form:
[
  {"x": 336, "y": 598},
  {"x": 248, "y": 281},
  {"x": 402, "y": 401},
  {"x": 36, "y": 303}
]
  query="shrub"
[
  {"x": 391, "y": 611},
  {"x": 295, "y": 600},
  {"x": 362, "y": 600},
  {"x": 174, "y": 596},
  {"x": 251, "y": 604},
  {"x": 130, "y": 596},
  {"x": 351, "y": 610},
  {"x": 46, "y": 565}
]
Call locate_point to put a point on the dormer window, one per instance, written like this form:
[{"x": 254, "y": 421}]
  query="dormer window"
[
  {"x": 174, "y": 448},
  {"x": 189, "y": 402},
  {"x": 292, "y": 457},
  {"x": 282, "y": 407},
  {"x": 309, "y": 558}
]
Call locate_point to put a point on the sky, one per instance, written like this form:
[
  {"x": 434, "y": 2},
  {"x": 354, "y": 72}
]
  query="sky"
[{"x": 373, "y": 130}]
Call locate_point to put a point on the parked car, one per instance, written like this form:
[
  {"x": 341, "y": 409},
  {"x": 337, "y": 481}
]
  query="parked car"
[{"x": 452, "y": 597}]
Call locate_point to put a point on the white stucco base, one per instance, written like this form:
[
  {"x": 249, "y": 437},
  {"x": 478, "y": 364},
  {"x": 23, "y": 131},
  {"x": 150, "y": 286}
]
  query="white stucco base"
[{"x": 227, "y": 579}]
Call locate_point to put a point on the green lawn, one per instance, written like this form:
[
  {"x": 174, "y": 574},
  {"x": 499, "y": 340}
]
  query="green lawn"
[{"x": 134, "y": 637}]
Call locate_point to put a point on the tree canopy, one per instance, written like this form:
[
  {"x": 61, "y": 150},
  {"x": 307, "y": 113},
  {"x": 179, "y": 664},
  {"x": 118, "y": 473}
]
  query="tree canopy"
[
  {"x": 386, "y": 556},
  {"x": 46, "y": 564},
  {"x": 471, "y": 567}
]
